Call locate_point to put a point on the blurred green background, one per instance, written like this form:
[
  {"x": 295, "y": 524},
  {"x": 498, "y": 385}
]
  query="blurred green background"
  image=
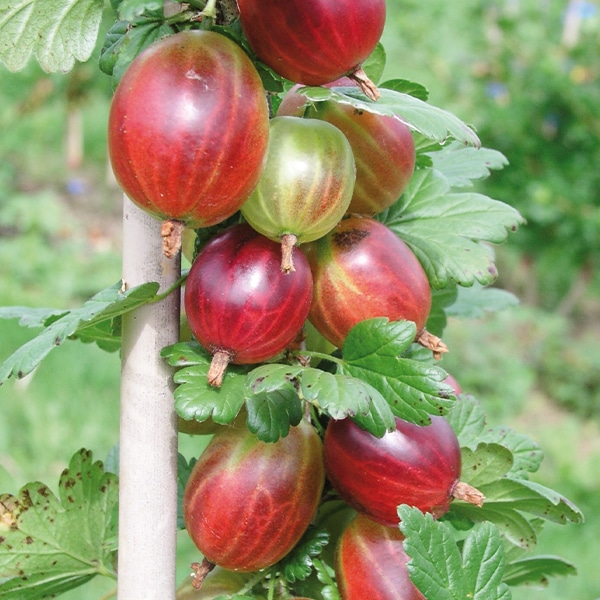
[{"x": 524, "y": 73}]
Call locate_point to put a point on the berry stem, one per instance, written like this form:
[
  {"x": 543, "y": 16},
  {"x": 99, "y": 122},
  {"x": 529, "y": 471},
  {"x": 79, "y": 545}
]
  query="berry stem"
[
  {"x": 367, "y": 87},
  {"x": 171, "y": 231},
  {"x": 218, "y": 366},
  {"x": 468, "y": 493},
  {"x": 200, "y": 571},
  {"x": 288, "y": 241},
  {"x": 432, "y": 342}
]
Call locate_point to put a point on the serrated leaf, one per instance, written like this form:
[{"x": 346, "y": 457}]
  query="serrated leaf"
[
  {"x": 407, "y": 87},
  {"x": 414, "y": 390},
  {"x": 445, "y": 229},
  {"x": 427, "y": 119},
  {"x": 272, "y": 401},
  {"x": 527, "y": 454},
  {"x": 467, "y": 418},
  {"x": 486, "y": 464},
  {"x": 483, "y": 560},
  {"x": 438, "y": 317},
  {"x": 51, "y": 544},
  {"x": 515, "y": 527},
  {"x": 298, "y": 564},
  {"x": 184, "y": 469},
  {"x": 57, "y": 33},
  {"x": 106, "y": 305},
  {"x": 341, "y": 396},
  {"x": 536, "y": 570},
  {"x": 135, "y": 40},
  {"x": 196, "y": 399},
  {"x": 129, "y": 10},
  {"x": 271, "y": 414},
  {"x": 435, "y": 564},
  {"x": 111, "y": 46},
  {"x": 437, "y": 567},
  {"x": 31, "y": 317},
  {"x": 474, "y": 302},
  {"x": 460, "y": 164},
  {"x": 527, "y": 496},
  {"x": 375, "y": 63}
]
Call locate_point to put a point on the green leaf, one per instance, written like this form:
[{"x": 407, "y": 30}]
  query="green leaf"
[
  {"x": 31, "y": 317},
  {"x": 375, "y": 64},
  {"x": 407, "y": 87},
  {"x": 444, "y": 229},
  {"x": 527, "y": 454},
  {"x": 431, "y": 121},
  {"x": 514, "y": 526},
  {"x": 298, "y": 564},
  {"x": 438, "y": 317},
  {"x": 109, "y": 52},
  {"x": 534, "y": 498},
  {"x": 57, "y": 33},
  {"x": 341, "y": 396},
  {"x": 106, "y": 305},
  {"x": 536, "y": 570},
  {"x": 184, "y": 469},
  {"x": 437, "y": 567},
  {"x": 133, "y": 42},
  {"x": 460, "y": 165},
  {"x": 129, "y": 10},
  {"x": 414, "y": 390},
  {"x": 467, "y": 419},
  {"x": 195, "y": 398},
  {"x": 51, "y": 544},
  {"x": 483, "y": 560},
  {"x": 486, "y": 464},
  {"x": 270, "y": 415},
  {"x": 474, "y": 302}
]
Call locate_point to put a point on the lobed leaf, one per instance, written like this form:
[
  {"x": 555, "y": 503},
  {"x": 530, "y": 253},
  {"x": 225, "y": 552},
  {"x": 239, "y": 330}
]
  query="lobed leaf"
[
  {"x": 474, "y": 302},
  {"x": 514, "y": 526},
  {"x": 527, "y": 454},
  {"x": 270, "y": 415},
  {"x": 184, "y": 469},
  {"x": 445, "y": 229},
  {"x": 106, "y": 305},
  {"x": 527, "y": 496},
  {"x": 51, "y": 544},
  {"x": 298, "y": 564},
  {"x": 57, "y": 33},
  {"x": 460, "y": 164},
  {"x": 427, "y": 119},
  {"x": 536, "y": 570},
  {"x": 483, "y": 563},
  {"x": 467, "y": 418},
  {"x": 196, "y": 399},
  {"x": 435, "y": 564},
  {"x": 438, "y": 568},
  {"x": 486, "y": 464},
  {"x": 413, "y": 389}
]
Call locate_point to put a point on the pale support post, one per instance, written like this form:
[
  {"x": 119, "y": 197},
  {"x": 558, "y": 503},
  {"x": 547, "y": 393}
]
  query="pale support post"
[{"x": 148, "y": 426}]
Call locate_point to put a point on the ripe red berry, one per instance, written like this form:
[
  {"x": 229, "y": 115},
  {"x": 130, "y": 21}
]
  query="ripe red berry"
[
  {"x": 247, "y": 503},
  {"x": 188, "y": 128},
  {"x": 371, "y": 563},
  {"x": 362, "y": 270},
  {"x": 414, "y": 465},
  {"x": 313, "y": 41},
  {"x": 240, "y": 305}
]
